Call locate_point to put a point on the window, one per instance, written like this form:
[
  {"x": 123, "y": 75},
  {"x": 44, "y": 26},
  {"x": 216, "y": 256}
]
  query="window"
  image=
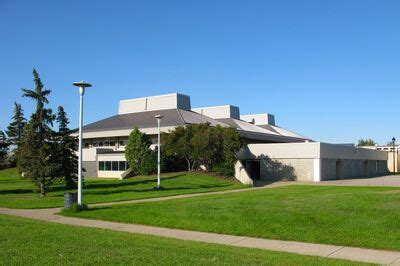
[
  {"x": 112, "y": 143},
  {"x": 114, "y": 166},
  {"x": 100, "y": 144},
  {"x": 108, "y": 166},
  {"x": 101, "y": 166},
  {"x": 95, "y": 144},
  {"x": 86, "y": 145},
  {"x": 106, "y": 143},
  {"x": 122, "y": 143},
  {"x": 122, "y": 166}
]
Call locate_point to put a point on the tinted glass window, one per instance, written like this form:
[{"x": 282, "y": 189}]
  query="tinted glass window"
[
  {"x": 114, "y": 166},
  {"x": 122, "y": 166},
  {"x": 101, "y": 166},
  {"x": 108, "y": 166}
]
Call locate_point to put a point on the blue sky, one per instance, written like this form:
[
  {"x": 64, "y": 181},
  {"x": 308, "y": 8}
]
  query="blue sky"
[{"x": 326, "y": 69}]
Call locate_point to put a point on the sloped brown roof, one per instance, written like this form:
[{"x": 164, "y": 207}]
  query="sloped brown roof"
[{"x": 171, "y": 117}]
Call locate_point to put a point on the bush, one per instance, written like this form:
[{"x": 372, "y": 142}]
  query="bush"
[{"x": 224, "y": 169}]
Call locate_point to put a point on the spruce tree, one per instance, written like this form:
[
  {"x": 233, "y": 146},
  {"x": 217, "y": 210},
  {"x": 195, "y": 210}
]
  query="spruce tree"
[
  {"x": 36, "y": 153},
  {"x": 66, "y": 150},
  {"x": 15, "y": 130},
  {"x": 3, "y": 149}
]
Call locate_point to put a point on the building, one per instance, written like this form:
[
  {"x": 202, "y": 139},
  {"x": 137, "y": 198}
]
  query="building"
[
  {"x": 393, "y": 157},
  {"x": 269, "y": 145}
]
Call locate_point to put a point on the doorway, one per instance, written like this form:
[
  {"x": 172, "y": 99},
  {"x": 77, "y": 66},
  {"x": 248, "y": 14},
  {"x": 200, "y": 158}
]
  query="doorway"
[
  {"x": 339, "y": 169},
  {"x": 253, "y": 169}
]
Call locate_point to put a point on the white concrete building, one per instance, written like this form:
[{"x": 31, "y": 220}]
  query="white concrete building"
[{"x": 270, "y": 145}]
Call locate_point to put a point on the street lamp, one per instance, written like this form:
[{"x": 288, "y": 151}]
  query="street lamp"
[
  {"x": 82, "y": 85},
  {"x": 394, "y": 154},
  {"x": 159, "y": 117}
]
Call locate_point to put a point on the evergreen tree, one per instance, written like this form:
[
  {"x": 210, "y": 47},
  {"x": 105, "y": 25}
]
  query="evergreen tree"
[
  {"x": 36, "y": 153},
  {"x": 66, "y": 150},
  {"x": 15, "y": 130},
  {"x": 366, "y": 142},
  {"x": 141, "y": 160},
  {"x": 3, "y": 149}
]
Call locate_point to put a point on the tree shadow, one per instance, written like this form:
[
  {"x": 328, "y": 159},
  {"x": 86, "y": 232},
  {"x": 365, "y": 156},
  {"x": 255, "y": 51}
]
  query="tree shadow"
[
  {"x": 153, "y": 189},
  {"x": 278, "y": 171},
  {"x": 273, "y": 171},
  {"x": 128, "y": 182}
]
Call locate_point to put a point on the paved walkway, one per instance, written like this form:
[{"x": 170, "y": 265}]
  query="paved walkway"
[
  {"x": 328, "y": 251},
  {"x": 380, "y": 181}
]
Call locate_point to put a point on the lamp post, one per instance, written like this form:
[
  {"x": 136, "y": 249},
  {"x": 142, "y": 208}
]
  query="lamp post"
[
  {"x": 394, "y": 154},
  {"x": 159, "y": 117},
  {"x": 82, "y": 85}
]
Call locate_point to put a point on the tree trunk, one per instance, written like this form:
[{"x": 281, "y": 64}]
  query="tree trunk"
[
  {"x": 194, "y": 163},
  {"x": 42, "y": 190},
  {"x": 188, "y": 162}
]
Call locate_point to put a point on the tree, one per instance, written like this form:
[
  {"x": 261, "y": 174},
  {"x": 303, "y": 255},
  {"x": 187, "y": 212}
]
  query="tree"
[
  {"x": 231, "y": 144},
  {"x": 214, "y": 148},
  {"x": 141, "y": 159},
  {"x": 203, "y": 145},
  {"x": 3, "y": 149},
  {"x": 66, "y": 150},
  {"x": 15, "y": 130},
  {"x": 178, "y": 143},
  {"x": 36, "y": 153},
  {"x": 366, "y": 142}
]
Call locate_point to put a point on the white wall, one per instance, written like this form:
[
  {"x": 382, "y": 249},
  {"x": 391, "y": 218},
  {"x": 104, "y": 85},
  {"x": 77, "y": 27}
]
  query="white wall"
[
  {"x": 259, "y": 119},
  {"x": 218, "y": 112},
  {"x": 152, "y": 103}
]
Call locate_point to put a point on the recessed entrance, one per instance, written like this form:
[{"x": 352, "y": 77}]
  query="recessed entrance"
[{"x": 253, "y": 169}]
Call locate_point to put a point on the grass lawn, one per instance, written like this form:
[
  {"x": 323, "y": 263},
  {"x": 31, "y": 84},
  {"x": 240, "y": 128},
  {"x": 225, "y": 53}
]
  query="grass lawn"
[
  {"x": 17, "y": 192},
  {"x": 55, "y": 244},
  {"x": 351, "y": 216}
]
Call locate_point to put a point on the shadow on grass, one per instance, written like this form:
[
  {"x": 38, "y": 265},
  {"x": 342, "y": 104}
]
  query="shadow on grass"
[
  {"x": 152, "y": 189},
  {"x": 129, "y": 182},
  {"x": 16, "y": 191}
]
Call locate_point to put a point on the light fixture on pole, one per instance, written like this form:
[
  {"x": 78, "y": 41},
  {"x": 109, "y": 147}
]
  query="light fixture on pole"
[
  {"x": 394, "y": 154},
  {"x": 159, "y": 117},
  {"x": 82, "y": 85}
]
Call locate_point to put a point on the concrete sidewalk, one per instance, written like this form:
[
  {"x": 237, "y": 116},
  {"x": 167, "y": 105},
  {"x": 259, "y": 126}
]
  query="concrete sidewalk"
[{"x": 321, "y": 250}]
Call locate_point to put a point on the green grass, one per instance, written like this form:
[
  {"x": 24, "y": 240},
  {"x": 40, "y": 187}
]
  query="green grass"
[
  {"x": 351, "y": 216},
  {"x": 54, "y": 244},
  {"x": 17, "y": 192}
]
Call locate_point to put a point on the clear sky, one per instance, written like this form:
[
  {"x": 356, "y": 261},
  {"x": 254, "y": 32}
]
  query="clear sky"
[{"x": 327, "y": 69}]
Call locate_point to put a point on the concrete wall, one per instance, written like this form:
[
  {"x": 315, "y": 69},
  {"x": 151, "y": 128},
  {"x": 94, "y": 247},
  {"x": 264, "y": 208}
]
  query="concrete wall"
[
  {"x": 314, "y": 161},
  {"x": 345, "y": 168},
  {"x": 241, "y": 174},
  {"x": 287, "y": 169},
  {"x": 395, "y": 167},
  {"x": 90, "y": 169}
]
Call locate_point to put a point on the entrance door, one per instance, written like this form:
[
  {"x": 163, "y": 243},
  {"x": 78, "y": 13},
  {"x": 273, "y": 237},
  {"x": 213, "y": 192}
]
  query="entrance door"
[{"x": 339, "y": 167}]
